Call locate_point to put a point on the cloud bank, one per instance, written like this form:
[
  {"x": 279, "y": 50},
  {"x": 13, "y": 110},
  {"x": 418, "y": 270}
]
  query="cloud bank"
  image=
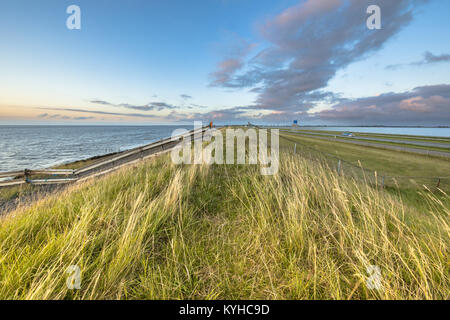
[
  {"x": 428, "y": 58},
  {"x": 427, "y": 105},
  {"x": 151, "y": 106},
  {"x": 61, "y": 117},
  {"x": 307, "y": 45}
]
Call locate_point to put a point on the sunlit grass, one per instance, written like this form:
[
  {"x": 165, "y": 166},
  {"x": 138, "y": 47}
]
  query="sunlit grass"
[{"x": 161, "y": 231}]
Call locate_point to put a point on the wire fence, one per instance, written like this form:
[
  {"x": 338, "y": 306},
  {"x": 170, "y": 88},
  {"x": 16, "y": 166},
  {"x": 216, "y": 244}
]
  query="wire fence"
[{"x": 357, "y": 171}]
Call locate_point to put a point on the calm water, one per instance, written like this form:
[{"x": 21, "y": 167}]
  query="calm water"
[
  {"x": 35, "y": 147},
  {"x": 427, "y": 132}
]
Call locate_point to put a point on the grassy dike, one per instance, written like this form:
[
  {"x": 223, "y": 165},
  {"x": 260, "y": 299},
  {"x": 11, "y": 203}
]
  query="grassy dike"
[{"x": 165, "y": 231}]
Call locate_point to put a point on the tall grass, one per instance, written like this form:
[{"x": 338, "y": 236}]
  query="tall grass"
[{"x": 161, "y": 231}]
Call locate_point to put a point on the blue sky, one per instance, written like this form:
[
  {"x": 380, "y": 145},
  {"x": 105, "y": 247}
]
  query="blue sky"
[{"x": 224, "y": 60}]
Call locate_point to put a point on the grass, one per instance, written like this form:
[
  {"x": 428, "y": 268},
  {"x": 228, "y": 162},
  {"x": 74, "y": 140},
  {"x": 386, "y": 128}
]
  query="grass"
[
  {"x": 405, "y": 144},
  {"x": 86, "y": 162},
  {"x": 380, "y": 135},
  {"x": 13, "y": 192},
  {"x": 397, "y": 168},
  {"x": 161, "y": 231},
  {"x": 24, "y": 195},
  {"x": 385, "y": 162}
]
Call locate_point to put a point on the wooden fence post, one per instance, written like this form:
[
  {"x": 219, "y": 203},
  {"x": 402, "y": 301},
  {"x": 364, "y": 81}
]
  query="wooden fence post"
[
  {"x": 339, "y": 167},
  {"x": 439, "y": 183},
  {"x": 27, "y": 174},
  {"x": 295, "y": 148}
]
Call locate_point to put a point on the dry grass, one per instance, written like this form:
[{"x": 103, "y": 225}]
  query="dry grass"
[{"x": 160, "y": 231}]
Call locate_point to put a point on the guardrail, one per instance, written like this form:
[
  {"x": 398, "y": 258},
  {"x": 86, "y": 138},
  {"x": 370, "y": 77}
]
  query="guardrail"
[{"x": 100, "y": 168}]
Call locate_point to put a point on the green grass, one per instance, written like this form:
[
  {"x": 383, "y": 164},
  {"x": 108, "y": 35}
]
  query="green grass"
[
  {"x": 403, "y": 174},
  {"x": 14, "y": 192},
  {"x": 380, "y": 135},
  {"x": 161, "y": 231},
  {"x": 87, "y": 162},
  {"x": 406, "y": 138},
  {"x": 385, "y": 162},
  {"x": 23, "y": 195},
  {"x": 375, "y": 142}
]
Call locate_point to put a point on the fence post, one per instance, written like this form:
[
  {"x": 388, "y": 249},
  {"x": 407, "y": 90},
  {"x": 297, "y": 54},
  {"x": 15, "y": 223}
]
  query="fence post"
[
  {"x": 26, "y": 173},
  {"x": 295, "y": 148},
  {"x": 439, "y": 183},
  {"x": 339, "y": 167},
  {"x": 382, "y": 182}
]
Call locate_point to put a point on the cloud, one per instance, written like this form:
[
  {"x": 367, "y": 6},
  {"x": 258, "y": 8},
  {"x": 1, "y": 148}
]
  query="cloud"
[
  {"x": 231, "y": 64},
  {"x": 226, "y": 68},
  {"x": 427, "y": 105},
  {"x": 307, "y": 45},
  {"x": 61, "y": 117},
  {"x": 198, "y": 106},
  {"x": 151, "y": 106},
  {"x": 83, "y": 118},
  {"x": 105, "y": 103},
  {"x": 161, "y": 106},
  {"x": 137, "y": 115},
  {"x": 185, "y": 96},
  {"x": 431, "y": 58},
  {"x": 428, "y": 58},
  {"x": 221, "y": 115},
  {"x": 239, "y": 114}
]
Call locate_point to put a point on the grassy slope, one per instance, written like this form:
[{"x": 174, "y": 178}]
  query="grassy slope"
[
  {"x": 386, "y": 162},
  {"x": 165, "y": 231},
  {"x": 381, "y": 135},
  {"x": 388, "y": 143}
]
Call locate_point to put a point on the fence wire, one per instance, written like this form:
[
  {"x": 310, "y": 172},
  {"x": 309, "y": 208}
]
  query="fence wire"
[{"x": 357, "y": 171}]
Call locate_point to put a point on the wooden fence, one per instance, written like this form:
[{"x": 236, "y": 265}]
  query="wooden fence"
[{"x": 64, "y": 176}]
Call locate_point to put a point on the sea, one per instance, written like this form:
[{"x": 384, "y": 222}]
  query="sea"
[{"x": 37, "y": 147}]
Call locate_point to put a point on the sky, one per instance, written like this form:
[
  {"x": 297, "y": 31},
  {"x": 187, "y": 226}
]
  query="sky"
[{"x": 227, "y": 61}]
